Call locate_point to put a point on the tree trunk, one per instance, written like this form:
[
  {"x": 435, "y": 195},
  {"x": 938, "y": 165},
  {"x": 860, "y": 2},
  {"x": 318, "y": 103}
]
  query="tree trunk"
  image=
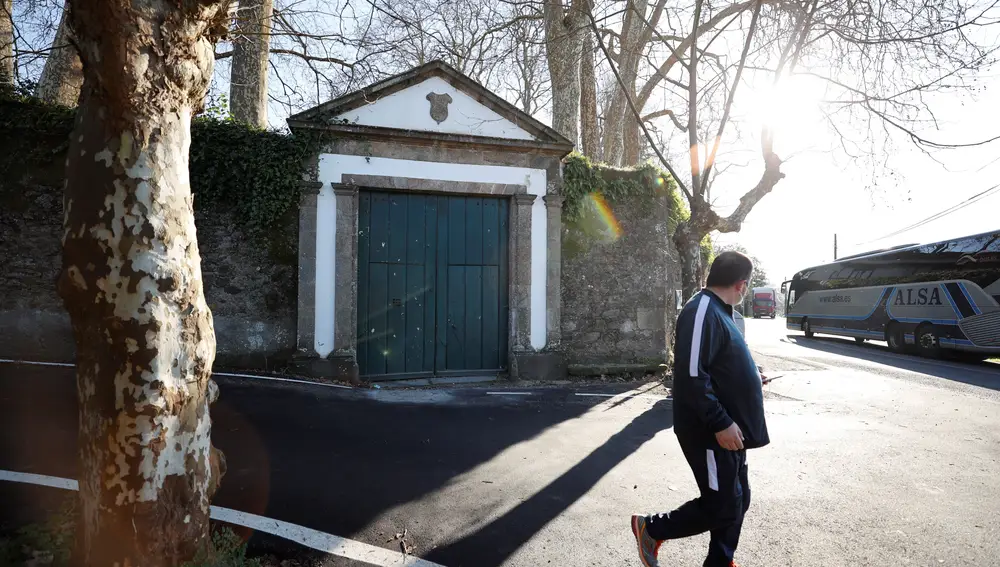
[
  {"x": 632, "y": 152},
  {"x": 248, "y": 80},
  {"x": 62, "y": 75},
  {"x": 563, "y": 48},
  {"x": 131, "y": 281},
  {"x": 7, "y": 71},
  {"x": 688, "y": 244},
  {"x": 631, "y": 46},
  {"x": 590, "y": 133}
]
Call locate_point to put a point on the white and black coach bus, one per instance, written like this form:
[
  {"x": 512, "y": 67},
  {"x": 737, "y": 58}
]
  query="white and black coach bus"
[{"x": 921, "y": 297}]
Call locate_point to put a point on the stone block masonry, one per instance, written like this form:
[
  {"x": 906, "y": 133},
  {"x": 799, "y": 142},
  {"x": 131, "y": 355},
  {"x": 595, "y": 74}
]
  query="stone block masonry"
[
  {"x": 618, "y": 290},
  {"x": 250, "y": 284}
]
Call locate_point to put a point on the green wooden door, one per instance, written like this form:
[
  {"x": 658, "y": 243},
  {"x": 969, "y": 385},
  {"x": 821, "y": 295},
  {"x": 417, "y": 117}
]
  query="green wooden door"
[{"x": 432, "y": 284}]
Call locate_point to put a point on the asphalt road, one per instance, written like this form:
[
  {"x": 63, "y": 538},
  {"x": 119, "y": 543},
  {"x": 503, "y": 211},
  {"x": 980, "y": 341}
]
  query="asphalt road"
[{"x": 877, "y": 459}]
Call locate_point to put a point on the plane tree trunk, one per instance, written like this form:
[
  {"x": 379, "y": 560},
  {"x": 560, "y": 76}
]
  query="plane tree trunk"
[{"x": 131, "y": 281}]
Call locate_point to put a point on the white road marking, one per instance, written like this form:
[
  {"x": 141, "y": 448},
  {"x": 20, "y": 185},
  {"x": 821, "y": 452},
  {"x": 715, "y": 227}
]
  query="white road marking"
[
  {"x": 277, "y": 379},
  {"x": 229, "y": 374},
  {"x": 320, "y": 541},
  {"x": 35, "y": 363},
  {"x": 39, "y": 479}
]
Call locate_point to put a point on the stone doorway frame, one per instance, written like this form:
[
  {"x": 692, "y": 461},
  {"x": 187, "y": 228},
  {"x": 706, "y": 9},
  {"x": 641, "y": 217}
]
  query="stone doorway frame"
[
  {"x": 524, "y": 361},
  {"x": 438, "y": 155}
]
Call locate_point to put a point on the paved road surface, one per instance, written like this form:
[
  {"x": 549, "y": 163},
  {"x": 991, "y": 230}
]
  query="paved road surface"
[{"x": 876, "y": 459}]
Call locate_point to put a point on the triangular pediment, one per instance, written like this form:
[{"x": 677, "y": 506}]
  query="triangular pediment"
[{"x": 433, "y": 98}]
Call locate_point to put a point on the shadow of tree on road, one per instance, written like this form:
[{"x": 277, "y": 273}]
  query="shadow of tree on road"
[
  {"x": 337, "y": 464},
  {"x": 494, "y": 543},
  {"x": 336, "y": 461}
]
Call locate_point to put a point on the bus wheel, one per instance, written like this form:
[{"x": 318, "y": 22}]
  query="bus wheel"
[
  {"x": 859, "y": 340},
  {"x": 806, "y": 329},
  {"x": 927, "y": 341},
  {"x": 894, "y": 337}
]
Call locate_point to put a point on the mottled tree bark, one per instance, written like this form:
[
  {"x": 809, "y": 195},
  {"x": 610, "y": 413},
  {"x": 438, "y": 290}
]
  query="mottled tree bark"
[
  {"x": 563, "y": 49},
  {"x": 7, "y": 42},
  {"x": 688, "y": 243},
  {"x": 248, "y": 80},
  {"x": 590, "y": 133},
  {"x": 62, "y": 75},
  {"x": 631, "y": 141},
  {"x": 131, "y": 281}
]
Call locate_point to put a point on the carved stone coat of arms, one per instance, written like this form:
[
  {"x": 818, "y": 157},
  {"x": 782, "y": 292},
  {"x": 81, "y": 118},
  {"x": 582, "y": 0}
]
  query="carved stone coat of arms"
[{"x": 439, "y": 106}]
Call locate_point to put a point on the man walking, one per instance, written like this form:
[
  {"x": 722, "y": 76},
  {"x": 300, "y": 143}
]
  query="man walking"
[{"x": 718, "y": 415}]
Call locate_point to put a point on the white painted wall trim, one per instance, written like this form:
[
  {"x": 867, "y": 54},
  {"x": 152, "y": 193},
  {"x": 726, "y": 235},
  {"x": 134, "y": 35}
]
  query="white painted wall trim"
[
  {"x": 409, "y": 109},
  {"x": 332, "y": 168},
  {"x": 326, "y": 215}
]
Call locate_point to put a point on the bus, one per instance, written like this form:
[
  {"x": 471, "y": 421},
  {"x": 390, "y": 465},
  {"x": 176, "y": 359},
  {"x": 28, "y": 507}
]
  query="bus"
[{"x": 923, "y": 298}]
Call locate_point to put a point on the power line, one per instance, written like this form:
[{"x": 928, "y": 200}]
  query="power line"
[{"x": 936, "y": 216}]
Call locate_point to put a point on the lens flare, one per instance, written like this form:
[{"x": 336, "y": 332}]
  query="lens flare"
[{"x": 607, "y": 215}]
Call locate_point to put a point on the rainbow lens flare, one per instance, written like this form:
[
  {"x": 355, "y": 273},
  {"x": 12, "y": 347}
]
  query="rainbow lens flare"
[{"x": 607, "y": 215}]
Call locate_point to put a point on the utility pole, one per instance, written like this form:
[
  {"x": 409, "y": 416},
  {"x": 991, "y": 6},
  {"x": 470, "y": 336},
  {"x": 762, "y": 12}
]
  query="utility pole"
[{"x": 835, "y": 246}]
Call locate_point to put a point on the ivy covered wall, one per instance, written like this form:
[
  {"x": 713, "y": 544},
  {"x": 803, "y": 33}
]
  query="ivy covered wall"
[
  {"x": 246, "y": 188},
  {"x": 620, "y": 268}
]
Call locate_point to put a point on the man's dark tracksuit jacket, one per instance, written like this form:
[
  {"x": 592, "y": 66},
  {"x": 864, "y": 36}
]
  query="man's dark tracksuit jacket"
[{"x": 716, "y": 383}]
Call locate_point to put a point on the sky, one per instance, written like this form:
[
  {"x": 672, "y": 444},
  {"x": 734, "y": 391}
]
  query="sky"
[{"x": 824, "y": 194}]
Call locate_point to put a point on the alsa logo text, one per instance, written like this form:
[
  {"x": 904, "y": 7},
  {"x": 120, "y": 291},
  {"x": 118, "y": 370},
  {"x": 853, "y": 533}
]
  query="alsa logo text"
[{"x": 921, "y": 296}]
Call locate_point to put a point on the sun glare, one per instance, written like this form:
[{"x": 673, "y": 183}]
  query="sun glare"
[{"x": 791, "y": 110}]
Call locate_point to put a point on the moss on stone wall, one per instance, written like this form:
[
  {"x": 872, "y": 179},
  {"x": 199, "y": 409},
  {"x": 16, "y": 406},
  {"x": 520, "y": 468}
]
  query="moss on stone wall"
[
  {"x": 246, "y": 213},
  {"x": 593, "y": 192},
  {"x": 583, "y": 180},
  {"x": 251, "y": 172},
  {"x": 587, "y": 186}
]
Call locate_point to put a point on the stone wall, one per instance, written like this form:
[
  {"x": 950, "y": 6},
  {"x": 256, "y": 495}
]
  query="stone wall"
[
  {"x": 618, "y": 292},
  {"x": 250, "y": 284}
]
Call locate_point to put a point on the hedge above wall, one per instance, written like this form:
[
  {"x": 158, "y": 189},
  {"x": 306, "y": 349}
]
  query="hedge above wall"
[{"x": 253, "y": 172}]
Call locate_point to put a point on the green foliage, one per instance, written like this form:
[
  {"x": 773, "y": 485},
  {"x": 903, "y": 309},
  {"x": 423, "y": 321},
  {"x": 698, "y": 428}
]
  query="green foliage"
[
  {"x": 216, "y": 108},
  {"x": 51, "y": 543},
  {"x": 759, "y": 278},
  {"x": 228, "y": 550},
  {"x": 46, "y": 543},
  {"x": 585, "y": 183},
  {"x": 254, "y": 173},
  {"x": 33, "y": 135},
  {"x": 707, "y": 250},
  {"x": 583, "y": 178}
]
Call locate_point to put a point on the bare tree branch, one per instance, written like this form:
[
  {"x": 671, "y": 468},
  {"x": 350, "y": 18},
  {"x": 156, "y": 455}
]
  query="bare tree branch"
[{"x": 635, "y": 112}]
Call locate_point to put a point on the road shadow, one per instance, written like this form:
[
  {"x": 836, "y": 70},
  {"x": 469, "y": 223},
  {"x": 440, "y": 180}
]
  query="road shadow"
[
  {"x": 983, "y": 374},
  {"x": 493, "y": 544},
  {"x": 336, "y": 461},
  {"x": 337, "y": 465}
]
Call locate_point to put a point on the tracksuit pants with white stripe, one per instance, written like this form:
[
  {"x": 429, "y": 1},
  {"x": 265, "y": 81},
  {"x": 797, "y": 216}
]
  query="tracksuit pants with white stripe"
[{"x": 725, "y": 498}]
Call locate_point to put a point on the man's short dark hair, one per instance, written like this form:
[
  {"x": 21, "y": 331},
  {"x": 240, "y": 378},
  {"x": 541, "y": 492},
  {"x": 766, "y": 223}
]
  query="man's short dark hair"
[{"x": 728, "y": 268}]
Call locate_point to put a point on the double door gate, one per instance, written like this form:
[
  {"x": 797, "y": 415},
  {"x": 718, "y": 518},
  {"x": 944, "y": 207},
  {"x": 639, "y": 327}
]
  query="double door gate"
[{"x": 432, "y": 284}]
